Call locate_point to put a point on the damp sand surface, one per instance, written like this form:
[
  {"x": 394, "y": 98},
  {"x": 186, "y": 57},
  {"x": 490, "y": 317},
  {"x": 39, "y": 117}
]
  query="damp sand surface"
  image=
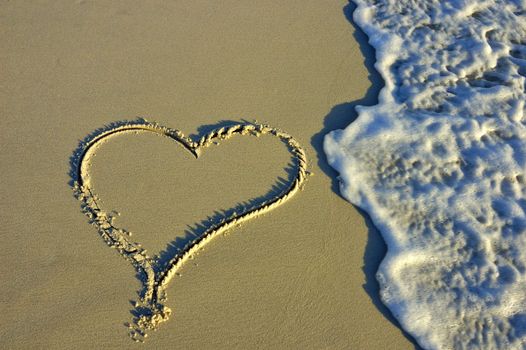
[{"x": 300, "y": 276}]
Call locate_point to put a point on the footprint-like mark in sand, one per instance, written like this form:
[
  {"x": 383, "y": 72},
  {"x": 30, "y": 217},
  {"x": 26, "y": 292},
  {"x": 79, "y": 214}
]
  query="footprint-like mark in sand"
[{"x": 150, "y": 309}]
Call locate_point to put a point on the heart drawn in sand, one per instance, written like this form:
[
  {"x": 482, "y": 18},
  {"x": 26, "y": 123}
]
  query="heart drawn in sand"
[{"x": 150, "y": 309}]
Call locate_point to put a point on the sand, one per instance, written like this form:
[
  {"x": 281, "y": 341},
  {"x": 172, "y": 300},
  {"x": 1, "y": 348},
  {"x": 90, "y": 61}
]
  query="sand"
[{"x": 299, "y": 276}]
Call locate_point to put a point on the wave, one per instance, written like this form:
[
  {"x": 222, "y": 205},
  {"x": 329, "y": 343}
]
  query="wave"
[{"x": 440, "y": 166}]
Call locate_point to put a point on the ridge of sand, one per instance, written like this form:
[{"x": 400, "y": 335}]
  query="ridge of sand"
[{"x": 150, "y": 309}]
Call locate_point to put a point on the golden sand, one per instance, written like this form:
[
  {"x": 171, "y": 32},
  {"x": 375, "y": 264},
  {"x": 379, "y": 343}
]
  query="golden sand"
[
  {"x": 150, "y": 309},
  {"x": 301, "y": 277}
]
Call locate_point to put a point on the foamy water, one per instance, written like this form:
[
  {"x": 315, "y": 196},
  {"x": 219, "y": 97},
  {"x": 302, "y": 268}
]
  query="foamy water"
[{"x": 440, "y": 165}]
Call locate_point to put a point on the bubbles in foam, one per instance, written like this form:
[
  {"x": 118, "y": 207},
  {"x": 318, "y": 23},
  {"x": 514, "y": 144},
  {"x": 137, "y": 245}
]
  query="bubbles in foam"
[{"x": 440, "y": 165}]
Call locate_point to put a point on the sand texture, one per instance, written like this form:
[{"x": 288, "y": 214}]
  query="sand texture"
[
  {"x": 156, "y": 272},
  {"x": 300, "y": 276}
]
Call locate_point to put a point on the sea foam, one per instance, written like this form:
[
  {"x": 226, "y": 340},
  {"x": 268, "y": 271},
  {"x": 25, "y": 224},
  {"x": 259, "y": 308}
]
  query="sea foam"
[{"x": 440, "y": 166}]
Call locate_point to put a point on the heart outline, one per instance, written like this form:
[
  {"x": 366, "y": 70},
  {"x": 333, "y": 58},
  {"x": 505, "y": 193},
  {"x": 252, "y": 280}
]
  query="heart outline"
[{"x": 150, "y": 308}]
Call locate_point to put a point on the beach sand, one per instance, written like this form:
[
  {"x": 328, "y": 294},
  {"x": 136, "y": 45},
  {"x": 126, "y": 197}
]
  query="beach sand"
[{"x": 300, "y": 276}]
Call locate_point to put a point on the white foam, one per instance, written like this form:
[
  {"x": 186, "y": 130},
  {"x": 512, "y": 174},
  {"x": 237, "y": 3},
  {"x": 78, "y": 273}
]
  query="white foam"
[{"x": 440, "y": 165}]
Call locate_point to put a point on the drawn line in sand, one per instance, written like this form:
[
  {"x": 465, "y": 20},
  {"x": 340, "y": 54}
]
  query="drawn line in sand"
[{"x": 150, "y": 308}]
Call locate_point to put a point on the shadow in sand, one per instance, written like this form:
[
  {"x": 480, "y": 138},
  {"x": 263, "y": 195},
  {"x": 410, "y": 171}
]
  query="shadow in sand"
[
  {"x": 340, "y": 117},
  {"x": 344, "y": 114},
  {"x": 181, "y": 243},
  {"x": 207, "y": 128},
  {"x": 115, "y": 236}
]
